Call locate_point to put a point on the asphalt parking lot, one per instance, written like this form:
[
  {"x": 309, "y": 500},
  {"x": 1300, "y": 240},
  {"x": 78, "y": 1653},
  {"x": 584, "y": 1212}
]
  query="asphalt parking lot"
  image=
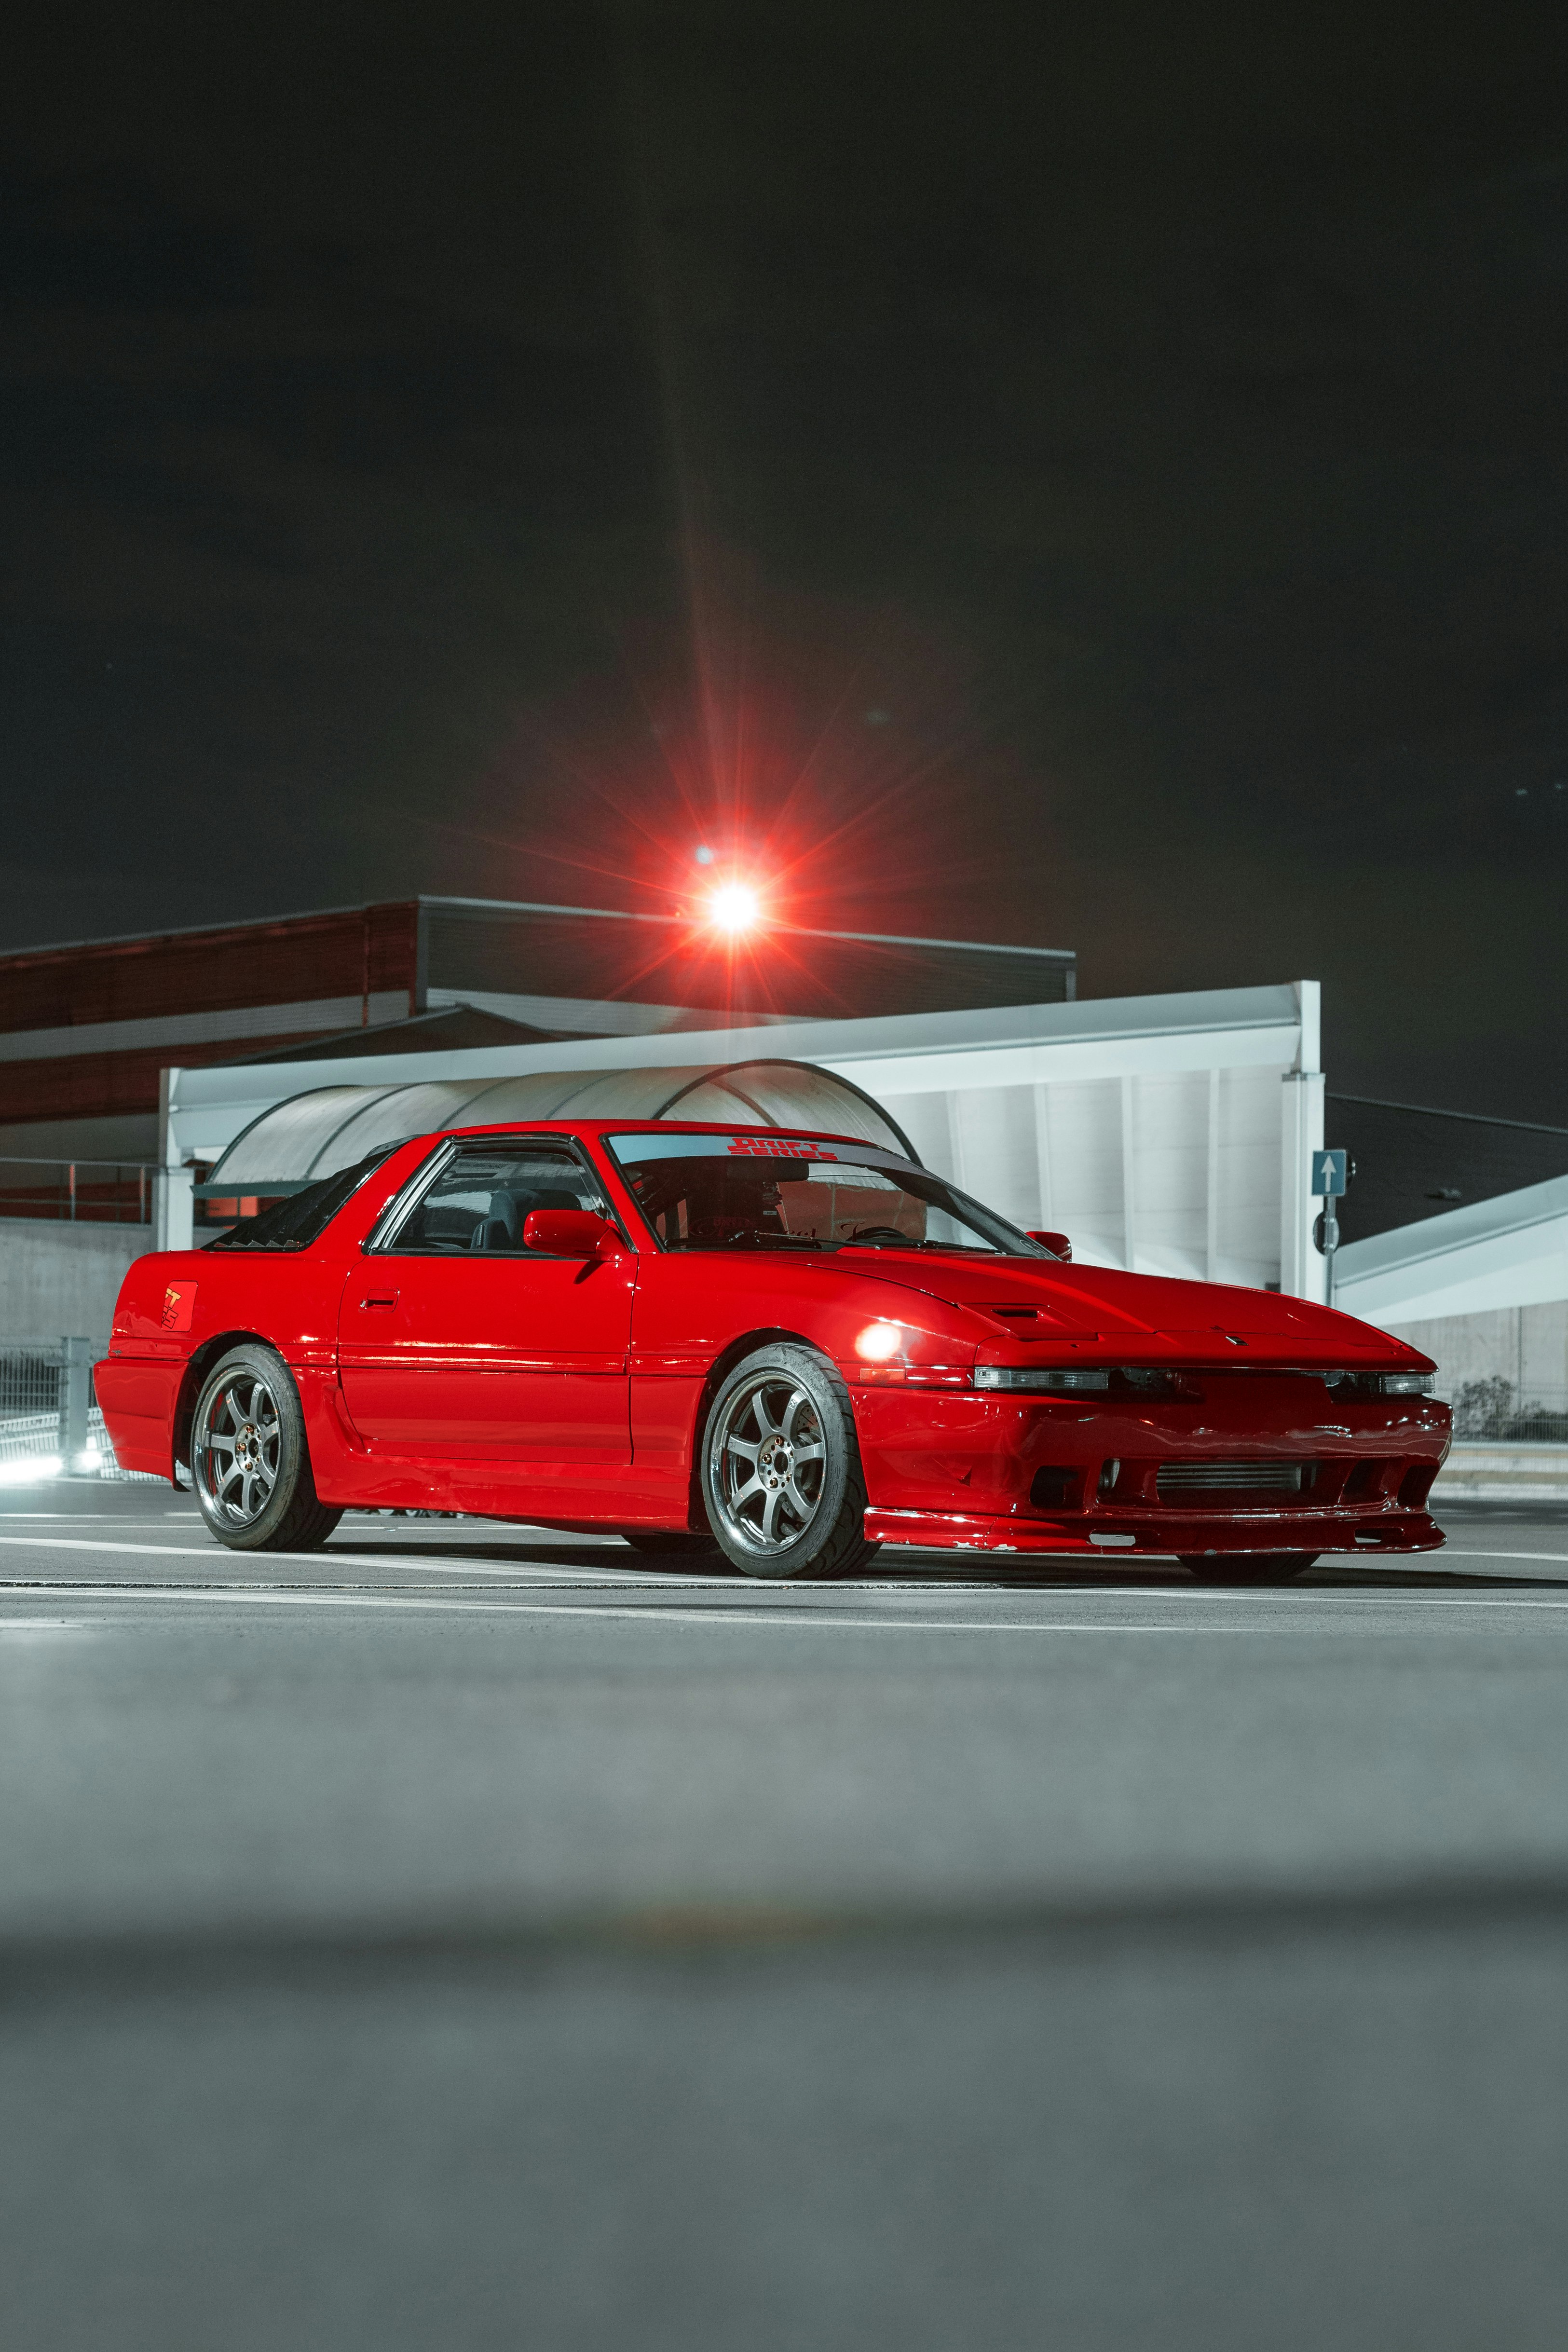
[{"x": 468, "y": 1936}]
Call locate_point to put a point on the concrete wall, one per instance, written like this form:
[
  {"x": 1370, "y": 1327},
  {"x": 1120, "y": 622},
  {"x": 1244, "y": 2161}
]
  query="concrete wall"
[
  {"x": 1525, "y": 1344},
  {"x": 58, "y": 1280}
]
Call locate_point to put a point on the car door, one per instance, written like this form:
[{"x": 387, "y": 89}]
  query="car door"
[{"x": 456, "y": 1342}]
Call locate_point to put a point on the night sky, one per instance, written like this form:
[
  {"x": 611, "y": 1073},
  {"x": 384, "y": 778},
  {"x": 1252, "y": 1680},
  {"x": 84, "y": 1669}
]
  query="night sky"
[{"x": 1090, "y": 476}]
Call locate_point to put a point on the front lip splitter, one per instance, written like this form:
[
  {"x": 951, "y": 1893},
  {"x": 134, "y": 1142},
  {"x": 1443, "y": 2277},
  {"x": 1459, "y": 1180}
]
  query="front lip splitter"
[{"x": 1185, "y": 1534}]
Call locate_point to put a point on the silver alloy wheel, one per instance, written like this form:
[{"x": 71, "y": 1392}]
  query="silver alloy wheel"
[
  {"x": 238, "y": 1449},
  {"x": 770, "y": 1462}
]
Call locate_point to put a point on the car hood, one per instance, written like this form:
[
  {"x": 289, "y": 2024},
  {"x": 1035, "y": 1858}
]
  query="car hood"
[{"x": 1031, "y": 1299}]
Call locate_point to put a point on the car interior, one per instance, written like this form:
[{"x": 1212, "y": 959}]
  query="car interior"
[{"x": 480, "y": 1202}]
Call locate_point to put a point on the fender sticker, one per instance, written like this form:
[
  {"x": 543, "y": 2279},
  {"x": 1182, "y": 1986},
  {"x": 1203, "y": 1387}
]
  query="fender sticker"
[{"x": 179, "y": 1305}]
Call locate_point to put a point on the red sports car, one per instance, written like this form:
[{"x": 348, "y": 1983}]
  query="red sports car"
[{"x": 779, "y": 1348}]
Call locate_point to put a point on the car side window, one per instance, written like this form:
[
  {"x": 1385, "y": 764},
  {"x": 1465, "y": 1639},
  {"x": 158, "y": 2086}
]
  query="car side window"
[{"x": 480, "y": 1198}]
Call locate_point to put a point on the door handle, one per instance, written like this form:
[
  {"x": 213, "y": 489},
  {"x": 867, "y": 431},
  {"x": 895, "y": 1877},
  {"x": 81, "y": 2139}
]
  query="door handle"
[{"x": 381, "y": 1298}]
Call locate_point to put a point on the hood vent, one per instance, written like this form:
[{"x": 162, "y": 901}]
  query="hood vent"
[{"x": 1027, "y": 1320}]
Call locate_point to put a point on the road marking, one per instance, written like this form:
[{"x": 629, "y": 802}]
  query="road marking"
[
  {"x": 97, "y": 1543},
  {"x": 217, "y": 1553},
  {"x": 415, "y": 1559},
  {"x": 1177, "y": 1594},
  {"x": 400, "y": 1557},
  {"x": 664, "y": 1581},
  {"x": 652, "y": 1612},
  {"x": 1560, "y": 1557},
  {"x": 612, "y": 1579},
  {"x": 730, "y": 1607}
]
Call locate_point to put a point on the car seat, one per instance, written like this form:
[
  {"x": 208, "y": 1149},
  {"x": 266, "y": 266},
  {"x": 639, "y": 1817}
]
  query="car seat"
[{"x": 502, "y": 1228}]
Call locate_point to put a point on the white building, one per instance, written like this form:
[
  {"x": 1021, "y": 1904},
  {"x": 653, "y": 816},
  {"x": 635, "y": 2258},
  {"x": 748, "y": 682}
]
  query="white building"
[{"x": 1171, "y": 1134}]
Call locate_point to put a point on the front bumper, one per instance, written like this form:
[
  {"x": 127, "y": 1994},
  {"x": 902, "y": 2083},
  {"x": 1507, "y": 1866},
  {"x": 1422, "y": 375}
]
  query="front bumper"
[
  {"x": 987, "y": 1472},
  {"x": 1186, "y": 1534}
]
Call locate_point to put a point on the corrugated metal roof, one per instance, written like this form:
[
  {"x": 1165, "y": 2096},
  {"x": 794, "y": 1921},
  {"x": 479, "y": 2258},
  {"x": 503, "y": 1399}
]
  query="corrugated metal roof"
[{"x": 314, "y": 1134}]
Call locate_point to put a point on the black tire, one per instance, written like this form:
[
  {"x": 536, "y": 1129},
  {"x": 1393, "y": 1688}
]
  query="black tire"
[
  {"x": 249, "y": 1460},
  {"x": 666, "y": 1541},
  {"x": 1247, "y": 1567},
  {"x": 786, "y": 1411}
]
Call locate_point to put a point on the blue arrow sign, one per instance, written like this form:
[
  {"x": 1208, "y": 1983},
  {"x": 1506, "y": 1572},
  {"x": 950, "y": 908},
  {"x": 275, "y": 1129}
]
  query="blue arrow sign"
[{"x": 1328, "y": 1174}]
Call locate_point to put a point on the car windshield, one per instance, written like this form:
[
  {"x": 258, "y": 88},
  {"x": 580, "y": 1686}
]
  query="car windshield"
[{"x": 787, "y": 1193}]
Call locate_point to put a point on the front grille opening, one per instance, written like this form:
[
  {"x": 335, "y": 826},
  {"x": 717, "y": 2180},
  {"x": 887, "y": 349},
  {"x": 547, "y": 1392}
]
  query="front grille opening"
[
  {"x": 1057, "y": 1486},
  {"x": 1178, "y": 1482},
  {"x": 1416, "y": 1485},
  {"x": 1364, "y": 1481}
]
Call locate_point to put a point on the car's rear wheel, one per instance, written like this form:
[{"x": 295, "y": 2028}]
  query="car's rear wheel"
[
  {"x": 1247, "y": 1567},
  {"x": 781, "y": 1469},
  {"x": 249, "y": 1461}
]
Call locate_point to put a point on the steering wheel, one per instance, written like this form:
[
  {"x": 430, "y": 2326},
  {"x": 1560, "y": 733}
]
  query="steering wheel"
[{"x": 882, "y": 1233}]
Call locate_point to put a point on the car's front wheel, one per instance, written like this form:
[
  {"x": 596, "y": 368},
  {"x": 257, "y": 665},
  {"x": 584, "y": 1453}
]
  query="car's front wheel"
[
  {"x": 1247, "y": 1567},
  {"x": 249, "y": 1461},
  {"x": 781, "y": 1469}
]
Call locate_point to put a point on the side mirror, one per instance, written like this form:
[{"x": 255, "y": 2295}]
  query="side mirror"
[
  {"x": 1059, "y": 1244},
  {"x": 568, "y": 1233}
]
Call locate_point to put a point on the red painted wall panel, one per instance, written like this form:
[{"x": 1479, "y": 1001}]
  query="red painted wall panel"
[
  {"x": 100, "y": 1086},
  {"x": 302, "y": 956}
]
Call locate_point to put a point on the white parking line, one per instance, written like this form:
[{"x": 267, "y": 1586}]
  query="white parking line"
[
  {"x": 347, "y": 1556},
  {"x": 803, "y": 1619},
  {"x": 743, "y": 1605},
  {"x": 412, "y": 1559},
  {"x": 218, "y": 1557},
  {"x": 651, "y": 1614},
  {"x": 1450, "y": 1552}
]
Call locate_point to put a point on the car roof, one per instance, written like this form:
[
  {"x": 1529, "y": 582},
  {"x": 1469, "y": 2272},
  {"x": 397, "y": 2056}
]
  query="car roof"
[{"x": 625, "y": 1126}]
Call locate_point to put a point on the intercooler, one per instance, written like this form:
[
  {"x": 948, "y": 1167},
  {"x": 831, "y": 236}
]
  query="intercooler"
[{"x": 1177, "y": 1481}]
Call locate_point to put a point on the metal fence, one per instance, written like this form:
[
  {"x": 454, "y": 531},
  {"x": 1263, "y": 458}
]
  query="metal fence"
[
  {"x": 1498, "y": 1412},
  {"x": 79, "y": 1192},
  {"x": 49, "y": 1422}
]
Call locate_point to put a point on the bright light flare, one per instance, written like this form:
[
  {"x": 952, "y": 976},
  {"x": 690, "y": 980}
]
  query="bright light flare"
[
  {"x": 22, "y": 1471},
  {"x": 879, "y": 1342},
  {"x": 734, "y": 906}
]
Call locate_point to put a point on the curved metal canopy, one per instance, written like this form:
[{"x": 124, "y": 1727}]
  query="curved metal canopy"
[{"x": 315, "y": 1134}]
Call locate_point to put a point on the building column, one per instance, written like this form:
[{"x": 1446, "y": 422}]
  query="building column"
[
  {"x": 1211, "y": 1185},
  {"x": 957, "y": 1174},
  {"x": 1047, "y": 1188},
  {"x": 1304, "y": 1271},
  {"x": 175, "y": 1226},
  {"x": 175, "y": 1209}
]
